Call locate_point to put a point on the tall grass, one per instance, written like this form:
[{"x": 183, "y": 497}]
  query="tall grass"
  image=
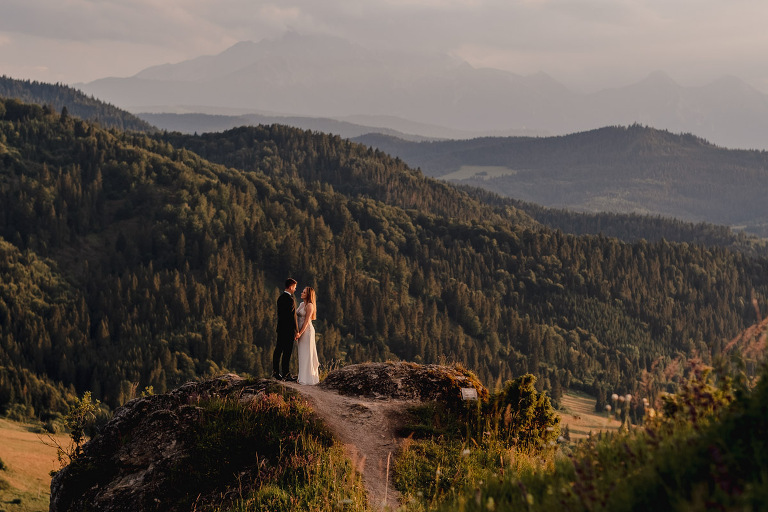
[
  {"x": 705, "y": 449},
  {"x": 708, "y": 452},
  {"x": 267, "y": 454},
  {"x": 451, "y": 451}
]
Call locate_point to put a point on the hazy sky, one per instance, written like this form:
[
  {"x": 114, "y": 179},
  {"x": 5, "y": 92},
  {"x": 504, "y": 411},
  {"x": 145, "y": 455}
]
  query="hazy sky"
[{"x": 582, "y": 43}]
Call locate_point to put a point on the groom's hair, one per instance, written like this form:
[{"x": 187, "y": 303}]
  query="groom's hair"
[{"x": 289, "y": 282}]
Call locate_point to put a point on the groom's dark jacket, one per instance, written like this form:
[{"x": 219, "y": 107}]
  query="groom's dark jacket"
[{"x": 287, "y": 327}]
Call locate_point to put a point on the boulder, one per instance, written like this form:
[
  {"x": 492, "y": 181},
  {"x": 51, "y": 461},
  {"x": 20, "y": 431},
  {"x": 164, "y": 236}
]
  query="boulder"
[
  {"x": 128, "y": 464},
  {"x": 405, "y": 381}
]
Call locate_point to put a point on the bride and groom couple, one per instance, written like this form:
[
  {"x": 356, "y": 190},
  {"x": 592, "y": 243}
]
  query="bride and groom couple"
[{"x": 295, "y": 325}]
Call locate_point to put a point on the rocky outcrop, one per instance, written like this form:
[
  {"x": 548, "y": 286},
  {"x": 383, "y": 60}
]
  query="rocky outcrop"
[
  {"x": 405, "y": 381},
  {"x": 138, "y": 459},
  {"x": 127, "y": 466}
]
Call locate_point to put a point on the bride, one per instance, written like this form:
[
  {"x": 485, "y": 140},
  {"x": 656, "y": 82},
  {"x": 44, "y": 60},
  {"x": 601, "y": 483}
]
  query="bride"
[{"x": 309, "y": 365}]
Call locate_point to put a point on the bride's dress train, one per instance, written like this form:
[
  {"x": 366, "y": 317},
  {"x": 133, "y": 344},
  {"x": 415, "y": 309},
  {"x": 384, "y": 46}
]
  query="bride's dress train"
[{"x": 309, "y": 364}]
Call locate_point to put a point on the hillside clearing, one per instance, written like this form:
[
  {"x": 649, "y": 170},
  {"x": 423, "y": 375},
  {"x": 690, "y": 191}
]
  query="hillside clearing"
[
  {"x": 28, "y": 462},
  {"x": 578, "y": 412}
]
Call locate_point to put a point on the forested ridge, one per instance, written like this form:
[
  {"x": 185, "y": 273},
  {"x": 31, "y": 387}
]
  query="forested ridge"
[
  {"x": 627, "y": 227},
  {"x": 132, "y": 260},
  {"x": 76, "y": 103},
  {"x": 620, "y": 169}
]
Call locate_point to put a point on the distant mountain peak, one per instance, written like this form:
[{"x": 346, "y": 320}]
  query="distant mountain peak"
[
  {"x": 732, "y": 83},
  {"x": 320, "y": 75},
  {"x": 658, "y": 78}
]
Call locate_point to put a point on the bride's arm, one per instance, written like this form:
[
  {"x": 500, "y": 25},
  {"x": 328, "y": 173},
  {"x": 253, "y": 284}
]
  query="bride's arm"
[{"x": 309, "y": 309}]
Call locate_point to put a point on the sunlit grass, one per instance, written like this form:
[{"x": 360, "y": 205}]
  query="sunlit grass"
[{"x": 268, "y": 454}]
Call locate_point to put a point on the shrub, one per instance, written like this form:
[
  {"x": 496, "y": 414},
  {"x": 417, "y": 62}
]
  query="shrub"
[
  {"x": 20, "y": 412},
  {"x": 54, "y": 425},
  {"x": 80, "y": 418},
  {"x": 82, "y": 414},
  {"x": 524, "y": 416},
  {"x": 450, "y": 450},
  {"x": 706, "y": 452}
]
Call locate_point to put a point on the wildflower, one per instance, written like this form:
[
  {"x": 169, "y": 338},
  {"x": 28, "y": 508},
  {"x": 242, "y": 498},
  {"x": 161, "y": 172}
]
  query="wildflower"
[
  {"x": 628, "y": 397},
  {"x": 560, "y": 439},
  {"x": 621, "y": 399},
  {"x": 651, "y": 412},
  {"x": 614, "y": 397},
  {"x": 529, "y": 498},
  {"x": 465, "y": 452},
  {"x": 490, "y": 504},
  {"x": 608, "y": 407}
]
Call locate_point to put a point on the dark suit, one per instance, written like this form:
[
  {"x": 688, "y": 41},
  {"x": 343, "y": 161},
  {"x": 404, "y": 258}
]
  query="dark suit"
[{"x": 287, "y": 327}]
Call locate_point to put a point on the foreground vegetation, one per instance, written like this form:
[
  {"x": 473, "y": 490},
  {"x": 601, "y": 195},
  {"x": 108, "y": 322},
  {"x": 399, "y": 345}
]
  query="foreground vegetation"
[
  {"x": 293, "y": 462},
  {"x": 264, "y": 451},
  {"x": 701, "y": 448}
]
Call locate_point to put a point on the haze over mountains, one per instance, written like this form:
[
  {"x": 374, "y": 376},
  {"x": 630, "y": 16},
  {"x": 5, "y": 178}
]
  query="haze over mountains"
[{"x": 320, "y": 76}]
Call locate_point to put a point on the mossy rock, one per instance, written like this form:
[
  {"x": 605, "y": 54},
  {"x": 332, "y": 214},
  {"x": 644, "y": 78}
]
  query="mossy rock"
[{"x": 405, "y": 381}]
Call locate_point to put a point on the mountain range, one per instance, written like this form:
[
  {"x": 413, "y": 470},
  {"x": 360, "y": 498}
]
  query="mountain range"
[
  {"x": 632, "y": 169},
  {"x": 206, "y": 122},
  {"x": 322, "y": 76},
  {"x": 620, "y": 169}
]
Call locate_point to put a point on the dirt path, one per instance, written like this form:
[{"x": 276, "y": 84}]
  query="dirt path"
[{"x": 368, "y": 430}]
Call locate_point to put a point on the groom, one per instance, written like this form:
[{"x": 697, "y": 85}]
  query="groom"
[{"x": 287, "y": 332}]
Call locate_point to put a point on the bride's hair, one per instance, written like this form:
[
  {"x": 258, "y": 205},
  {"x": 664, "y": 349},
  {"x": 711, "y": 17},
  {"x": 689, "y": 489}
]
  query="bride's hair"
[{"x": 311, "y": 298}]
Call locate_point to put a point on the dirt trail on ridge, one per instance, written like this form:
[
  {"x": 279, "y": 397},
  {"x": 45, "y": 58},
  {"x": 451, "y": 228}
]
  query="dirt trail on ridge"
[{"x": 368, "y": 430}]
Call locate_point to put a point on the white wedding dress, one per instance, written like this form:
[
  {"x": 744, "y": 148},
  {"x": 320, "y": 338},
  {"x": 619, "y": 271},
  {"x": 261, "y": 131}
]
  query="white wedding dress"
[{"x": 309, "y": 365}]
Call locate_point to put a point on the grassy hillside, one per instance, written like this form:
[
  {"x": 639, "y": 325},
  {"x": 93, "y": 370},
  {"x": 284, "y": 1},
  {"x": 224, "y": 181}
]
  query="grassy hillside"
[
  {"x": 25, "y": 480},
  {"x": 577, "y": 411}
]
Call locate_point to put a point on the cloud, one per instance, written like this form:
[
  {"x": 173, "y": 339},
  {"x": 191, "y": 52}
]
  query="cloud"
[
  {"x": 280, "y": 15},
  {"x": 570, "y": 39}
]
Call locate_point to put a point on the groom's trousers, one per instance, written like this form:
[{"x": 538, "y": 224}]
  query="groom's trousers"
[{"x": 283, "y": 350}]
